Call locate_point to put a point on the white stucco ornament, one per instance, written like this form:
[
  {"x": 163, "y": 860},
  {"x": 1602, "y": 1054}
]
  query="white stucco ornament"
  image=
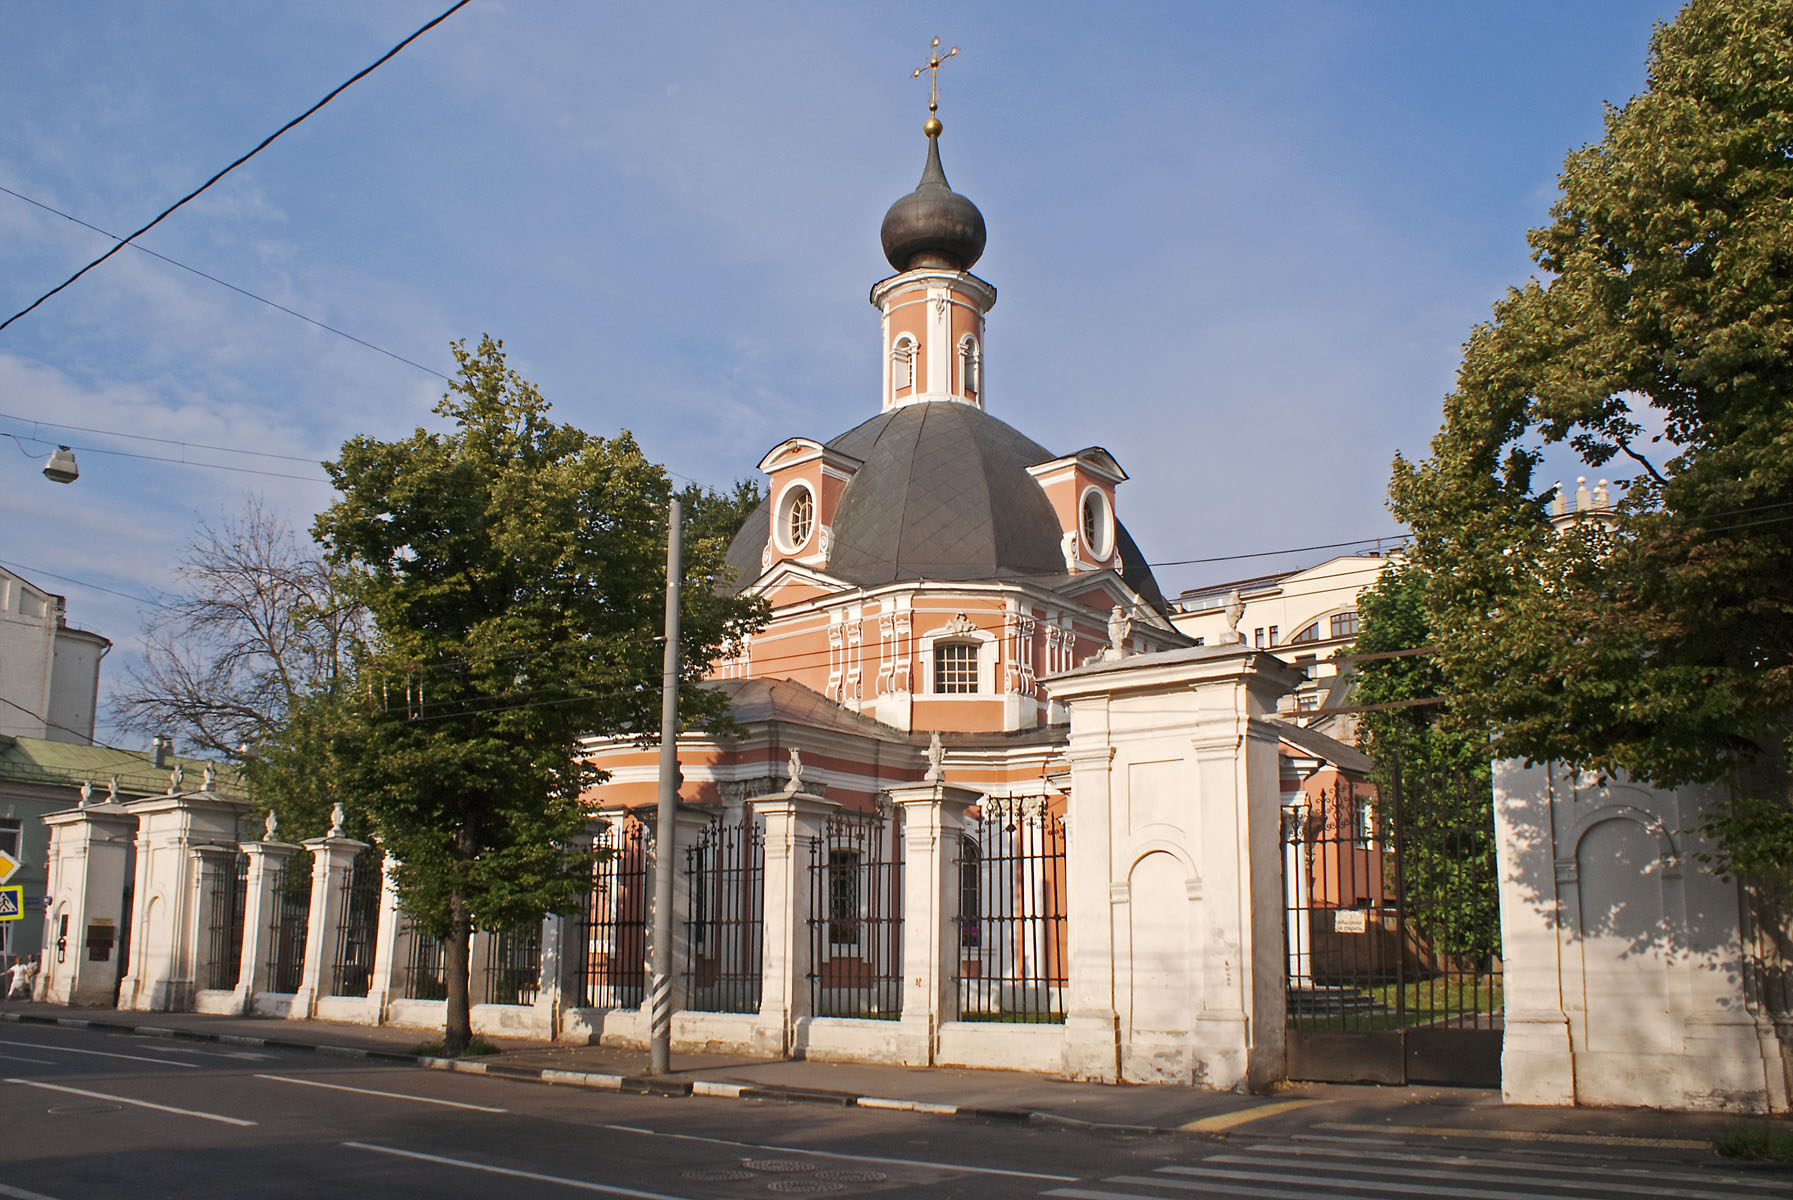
[
  {"x": 936, "y": 759},
  {"x": 112, "y": 790},
  {"x": 1119, "y": 626},
  {"x": 793, "y": 771},
  {"x": 174, "y": 779},
  {"x": 1235, "y": 611},
  {"x": 209, "y": 778},
  {"x": 270, "y": 827},
  {"x": 86, "y": 792},
  {"x": 1067, "y": 545}
]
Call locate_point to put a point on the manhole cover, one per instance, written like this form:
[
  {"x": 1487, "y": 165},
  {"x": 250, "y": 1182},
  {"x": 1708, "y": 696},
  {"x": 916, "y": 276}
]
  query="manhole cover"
[
  {"x": 82, "y": 1108},
  {"x": 804, "y": 1187},
  {"x": 718, "y": 1174},
  {"x": 778, "y": 1166},
  {"x": 853, "y": 1176}
]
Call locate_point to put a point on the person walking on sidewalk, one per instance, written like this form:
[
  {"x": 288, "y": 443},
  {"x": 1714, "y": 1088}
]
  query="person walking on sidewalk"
[{"x": 22, "y": 971}]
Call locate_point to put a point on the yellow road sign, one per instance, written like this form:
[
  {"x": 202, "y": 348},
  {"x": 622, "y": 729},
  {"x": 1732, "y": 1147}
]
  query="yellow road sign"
[
  {"x": 12, "y": 903},
  {"x": 9, "y": 866}
]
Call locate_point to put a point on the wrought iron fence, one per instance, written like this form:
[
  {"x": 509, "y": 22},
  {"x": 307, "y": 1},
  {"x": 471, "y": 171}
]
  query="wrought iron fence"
[
  {"x": 352, "y": 971},
  {"x": 612, "y": 954},
  {"x": 726, "y": 873},
  {"x": 1392, "y": 930},
  {"x": 514, "y": 964},
  {"x": 292, "y": 918},
  {"x": 424, "y": 979},
  {"x": 856, "y": 922},
  {"x": 1010, "y": 958},
  {"x": 230, "y": 894}
]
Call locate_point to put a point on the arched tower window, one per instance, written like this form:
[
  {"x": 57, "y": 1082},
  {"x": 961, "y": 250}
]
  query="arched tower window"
[
  {"x": 1098, "y": 524},
  {"x": 902, "y": 364},
  {"x": 970, "y": 366},
  {"x": 796, "y": 518}
]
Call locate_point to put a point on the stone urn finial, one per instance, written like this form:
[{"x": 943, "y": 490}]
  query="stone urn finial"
[
  {"x": 112, "y": 790},
  {"x": 936, "y": 759},
  {"x": 336, "y": 820},
  {"x": 1119, "y": 626},
  {"x": 1235, "y": 611},
  {"x": 209, "y": 778},
  {"x": 86, "y": 792},
  {"x": 270, "y": 827},
  {"x": 793, "y": 771}
]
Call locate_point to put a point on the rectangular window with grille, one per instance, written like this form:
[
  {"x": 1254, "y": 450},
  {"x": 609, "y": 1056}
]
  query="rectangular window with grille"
[{"x": 955, "y": 668}]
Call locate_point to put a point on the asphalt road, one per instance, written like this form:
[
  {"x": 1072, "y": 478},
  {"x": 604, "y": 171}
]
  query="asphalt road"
[{"x": 87, "y": 1115}]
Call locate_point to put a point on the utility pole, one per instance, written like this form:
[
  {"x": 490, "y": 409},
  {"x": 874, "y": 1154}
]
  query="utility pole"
[{"x": 660, "y": 995}]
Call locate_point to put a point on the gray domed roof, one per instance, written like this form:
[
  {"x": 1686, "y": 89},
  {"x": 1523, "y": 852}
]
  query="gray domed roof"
[
  {"x": 943, "y": 494},
  {"x": 933, "y": 226}
]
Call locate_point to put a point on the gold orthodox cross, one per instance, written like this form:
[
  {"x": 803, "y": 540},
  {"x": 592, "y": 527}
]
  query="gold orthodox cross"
[{"x": 933, "y": 65}]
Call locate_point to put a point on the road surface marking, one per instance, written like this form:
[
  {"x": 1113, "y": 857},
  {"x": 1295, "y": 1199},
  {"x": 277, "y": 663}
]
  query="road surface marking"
[
  {"x": 1232, "y": 1120},
  {"x": 42, "y": 1062},
  {"x": 55, "y": 1049},
  {"x": 182, "y": 1112},
  {"x": 962, "y": 1168},
  {"x": 1525, "y": 1135},
  {"x": 1608, "y": 1171},
  {"x": 584, "y": 1185},
  {"x": 341, "y": 1087},
  {"x": 1513, "y": 1173},
  {"x": 16, "y": 1193}
]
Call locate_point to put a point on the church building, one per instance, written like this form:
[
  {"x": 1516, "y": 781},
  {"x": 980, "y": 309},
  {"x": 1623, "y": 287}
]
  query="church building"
[{"x": 924, "y": 569}]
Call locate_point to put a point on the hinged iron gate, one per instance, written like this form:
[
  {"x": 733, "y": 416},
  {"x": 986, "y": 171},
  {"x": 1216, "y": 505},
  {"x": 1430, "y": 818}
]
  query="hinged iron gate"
[{"x": 1393, "y": 933}]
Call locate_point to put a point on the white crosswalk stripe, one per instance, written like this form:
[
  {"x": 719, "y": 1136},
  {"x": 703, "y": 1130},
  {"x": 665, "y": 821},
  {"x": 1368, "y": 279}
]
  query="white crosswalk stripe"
[{"x": 1337, "y": 1169}]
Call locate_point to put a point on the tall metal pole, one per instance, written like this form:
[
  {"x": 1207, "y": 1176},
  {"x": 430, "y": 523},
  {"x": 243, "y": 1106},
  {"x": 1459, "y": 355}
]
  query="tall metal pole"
[{"x": 660, "y": 997}]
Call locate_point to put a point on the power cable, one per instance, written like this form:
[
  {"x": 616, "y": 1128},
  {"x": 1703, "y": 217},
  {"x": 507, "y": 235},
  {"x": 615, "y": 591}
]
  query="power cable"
[
  {"x": 34, "y": 571},
  {"x": 265, "y": 142},
  {"x": 224, "y": 283},
  {"x": 138, "y": 437}
]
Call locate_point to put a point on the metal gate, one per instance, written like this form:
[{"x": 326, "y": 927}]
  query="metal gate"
[{"x": 1392, "y": 932}]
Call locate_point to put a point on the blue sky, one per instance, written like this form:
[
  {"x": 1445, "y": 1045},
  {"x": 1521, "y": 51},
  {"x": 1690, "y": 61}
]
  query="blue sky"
[{"x": 1238, "y": 245}]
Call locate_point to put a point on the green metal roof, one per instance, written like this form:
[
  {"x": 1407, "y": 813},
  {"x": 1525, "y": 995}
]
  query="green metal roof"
[{"x": 64, "y": 764}]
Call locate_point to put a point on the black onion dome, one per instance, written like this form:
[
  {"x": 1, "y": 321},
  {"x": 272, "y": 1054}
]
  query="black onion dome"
[
  {"x": 933, "y": 226},
  {"x": 943, "y": 494}
]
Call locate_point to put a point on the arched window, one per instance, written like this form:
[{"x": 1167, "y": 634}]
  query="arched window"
[
  {"x": 1098, "y": 524},
  {"x": 971, "y": 893},
  {"x": 795, "y": 519},
  {"x": 955, "y": 668},
  {"x": 969, "y": 364},
  {"x": 902, "y": 363}
]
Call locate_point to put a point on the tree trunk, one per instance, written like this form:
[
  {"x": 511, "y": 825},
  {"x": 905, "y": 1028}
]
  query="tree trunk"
[{"x": 457, "y": 954}]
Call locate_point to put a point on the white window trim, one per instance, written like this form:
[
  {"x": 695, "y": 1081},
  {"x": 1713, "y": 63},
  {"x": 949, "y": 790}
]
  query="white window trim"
[
  {"x": 1105, "y": 531},
  {"x": 988, "y": 650},
  {"x": 903, "y": 353},
  {"x": 781, "y": 516}
]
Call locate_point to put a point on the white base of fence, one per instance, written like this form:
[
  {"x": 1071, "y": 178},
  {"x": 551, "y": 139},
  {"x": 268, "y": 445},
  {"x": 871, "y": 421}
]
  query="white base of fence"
[
  {"x": 490, "y": 1020},
  {"x": 1002, "y": 1046},
  {"x": 276, "y": 1004},
  {"x": 219, "y": 1002},
  {"x": 849, "y": 1039},
  {"x": 353, "y": 1010}
]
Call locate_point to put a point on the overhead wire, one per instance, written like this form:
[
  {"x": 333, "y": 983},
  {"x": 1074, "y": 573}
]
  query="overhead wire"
[
  {"x": 265, "y": 142},
  {"x": 242, "y": 291}
]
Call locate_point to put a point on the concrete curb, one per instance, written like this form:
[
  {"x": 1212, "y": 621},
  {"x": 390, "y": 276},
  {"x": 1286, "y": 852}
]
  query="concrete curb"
[{"x": 635, "y": 1084}]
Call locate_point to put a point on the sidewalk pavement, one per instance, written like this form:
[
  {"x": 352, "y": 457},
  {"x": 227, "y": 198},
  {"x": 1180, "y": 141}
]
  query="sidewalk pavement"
[{"x": 1335, "y": 1109}]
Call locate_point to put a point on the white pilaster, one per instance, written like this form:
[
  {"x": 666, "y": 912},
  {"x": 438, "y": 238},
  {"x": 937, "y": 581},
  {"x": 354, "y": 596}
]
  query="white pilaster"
[{"x": 793, "y": 821}]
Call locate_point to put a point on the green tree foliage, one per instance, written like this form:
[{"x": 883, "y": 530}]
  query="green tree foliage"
[
  {"x": 515, "y": 571},
  {"x": 1662, "y": 338},
  {"x": 1437, "y": 767}
]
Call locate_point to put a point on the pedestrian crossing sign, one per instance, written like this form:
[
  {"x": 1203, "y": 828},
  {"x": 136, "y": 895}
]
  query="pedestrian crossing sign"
[{"x": 12, "y": 903}]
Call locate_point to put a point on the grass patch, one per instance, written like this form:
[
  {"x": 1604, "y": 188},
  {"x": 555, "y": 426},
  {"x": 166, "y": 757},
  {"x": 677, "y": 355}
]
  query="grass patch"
[
  {"x": 1467, "y": 1002},
  {"x": 475, "y": 1049},
  {"x": 1757, "y": 1141}
]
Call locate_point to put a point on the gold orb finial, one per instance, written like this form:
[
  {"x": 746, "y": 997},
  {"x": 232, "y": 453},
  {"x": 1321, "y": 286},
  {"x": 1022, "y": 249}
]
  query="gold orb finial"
[{"x": 932, "y": 127}]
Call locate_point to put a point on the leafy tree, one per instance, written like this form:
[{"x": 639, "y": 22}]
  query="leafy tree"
[
  {"x": 1662, "y": 338},
  {"x": 238, "y": 661},
  {"x": 515, "y": 571},
  {"x": 1437, "y": 765}
]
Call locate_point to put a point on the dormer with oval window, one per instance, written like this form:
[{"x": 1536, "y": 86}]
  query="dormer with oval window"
[
  {"x": 1081, "y": 489},
  {"x": 805, "y": 486}
]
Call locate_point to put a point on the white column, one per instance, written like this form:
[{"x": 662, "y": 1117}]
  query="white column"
[
  {"x": 332, "y": 858},
  {"x": 89, "y": 865},
  {"x": 1092, "y": 1048},
  {"x": 933, "y": 816},
  {"x": 265, "y": 862},
  {"x": 792, "y": 823},
  {"x": 390, "y": 955}
]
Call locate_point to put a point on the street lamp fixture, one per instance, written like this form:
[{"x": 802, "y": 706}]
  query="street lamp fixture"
[{"x": 61, "y": 467}]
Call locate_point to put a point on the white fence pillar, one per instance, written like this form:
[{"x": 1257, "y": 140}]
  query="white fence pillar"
[
  {"x": 90, "y": 865},
  {"x": 165, "y": 894},
  {"x": 266, "y": 861},
  {"x": 792, "y": 822},
  {"x": 933, "y": 816},
  {"x": 332, "y": 858}
]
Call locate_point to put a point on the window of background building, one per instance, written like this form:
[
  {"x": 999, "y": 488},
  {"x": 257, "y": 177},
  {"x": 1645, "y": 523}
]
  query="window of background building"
[
  {"x": 11, "y": 835},
  {"x": 1273, "y": 635},
  {"x": 955, "y": 668},
  {"x": 1257, "y": 637},
  {"x": 1344, "y": 624},
  {"x": 1307, "y": 633}
]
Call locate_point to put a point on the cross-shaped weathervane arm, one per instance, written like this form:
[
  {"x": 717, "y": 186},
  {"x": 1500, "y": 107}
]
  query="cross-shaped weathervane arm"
[{"x": 933, "y": 66}]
